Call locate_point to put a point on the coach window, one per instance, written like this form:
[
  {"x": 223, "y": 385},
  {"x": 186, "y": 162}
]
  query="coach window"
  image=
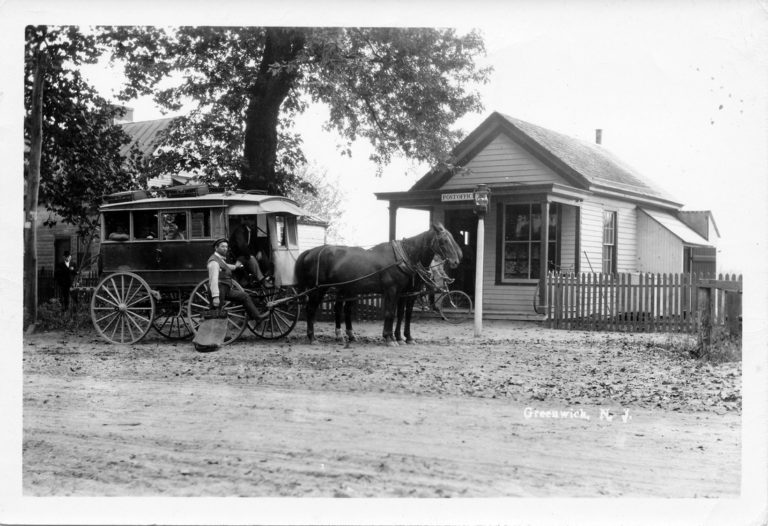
[
  {"x": 145, "y": 224},
  {"x": 116, "y": 226},
  {"x": 174, "y": 225},
  {"x": 285, "y": 230},
  {"x": 200, "y": 224}
]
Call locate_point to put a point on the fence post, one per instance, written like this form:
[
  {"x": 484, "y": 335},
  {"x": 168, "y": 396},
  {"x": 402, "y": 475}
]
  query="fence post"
[
  {"x": 733, "y": 309},
  {"x": 704, "y": 301}
]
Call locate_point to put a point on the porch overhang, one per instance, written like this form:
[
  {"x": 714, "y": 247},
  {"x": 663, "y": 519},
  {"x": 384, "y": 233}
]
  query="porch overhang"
[{"x": 426, "y": 199}]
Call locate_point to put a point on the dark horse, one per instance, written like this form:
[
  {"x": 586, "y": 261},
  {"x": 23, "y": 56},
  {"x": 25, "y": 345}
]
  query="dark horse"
[{"x": 389, "y": 268}]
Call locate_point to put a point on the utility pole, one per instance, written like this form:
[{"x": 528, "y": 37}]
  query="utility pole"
[{"x": 32, "y": 189}]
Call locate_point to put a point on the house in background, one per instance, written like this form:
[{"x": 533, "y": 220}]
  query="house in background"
[{"x": 557, "y": 203}]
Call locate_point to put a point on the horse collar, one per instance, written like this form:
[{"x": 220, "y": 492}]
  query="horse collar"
[{"x": 403, "y": 263}]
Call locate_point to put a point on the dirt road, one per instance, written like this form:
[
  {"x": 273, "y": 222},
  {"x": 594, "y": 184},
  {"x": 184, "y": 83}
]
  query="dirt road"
[{"x": 447, "y": 417}]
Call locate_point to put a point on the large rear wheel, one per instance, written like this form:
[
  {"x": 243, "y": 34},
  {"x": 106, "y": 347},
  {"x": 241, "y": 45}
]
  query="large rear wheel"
[
  {"x": 200, "y": 303},
  {"x": 455, "y": 306},
  {"x": 122, "y": 308}
]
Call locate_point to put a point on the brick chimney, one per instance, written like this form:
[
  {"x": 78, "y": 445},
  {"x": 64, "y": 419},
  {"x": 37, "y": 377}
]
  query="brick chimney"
[{"x": 599, "y": 136}]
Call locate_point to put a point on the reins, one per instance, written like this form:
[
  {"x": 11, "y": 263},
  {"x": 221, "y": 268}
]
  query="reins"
[{"x": 401, "y": 258}]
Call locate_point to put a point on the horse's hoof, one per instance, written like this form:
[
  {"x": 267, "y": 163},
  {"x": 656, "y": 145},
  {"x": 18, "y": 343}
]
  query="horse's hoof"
[
  {"x": 410, "y": 341},
  {"x": 339, "y": 337},
  {"x": 351, "y": 336},
  {"x": 392, "y": 343}
]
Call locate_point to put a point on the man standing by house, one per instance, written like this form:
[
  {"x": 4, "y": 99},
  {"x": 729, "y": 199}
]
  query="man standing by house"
[
  {"x": 63, "y": 273},
  {"x": 220, "y": 281}
]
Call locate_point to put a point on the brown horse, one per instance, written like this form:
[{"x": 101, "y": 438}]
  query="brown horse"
[{"x": 388, "y": 268}]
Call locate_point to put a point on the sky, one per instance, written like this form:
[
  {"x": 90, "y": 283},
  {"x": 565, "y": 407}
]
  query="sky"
[{"x": 678, "y": 89}]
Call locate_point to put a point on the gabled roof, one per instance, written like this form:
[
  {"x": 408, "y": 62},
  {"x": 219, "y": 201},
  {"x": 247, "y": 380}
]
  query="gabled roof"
[
  {"x": 689, "y": 215},
  {"x": 145, "y": 134},
  {"x": 586, "y": 165}
]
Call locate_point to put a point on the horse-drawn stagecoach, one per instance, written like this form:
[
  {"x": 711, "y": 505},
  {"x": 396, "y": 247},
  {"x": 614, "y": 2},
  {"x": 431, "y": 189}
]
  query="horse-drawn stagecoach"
[
  {"x": 153, "y": 262},
  {"x": 154, "y": 252}
]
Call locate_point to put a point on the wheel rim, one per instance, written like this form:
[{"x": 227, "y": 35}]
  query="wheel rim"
[
  {"x": 455, "y": 306},
  {"x": 122, "y": 308},
  {"x": 171, "y": 320},
  {"x": 282, "y": 318},
  {"x": 199, "y": 304}
]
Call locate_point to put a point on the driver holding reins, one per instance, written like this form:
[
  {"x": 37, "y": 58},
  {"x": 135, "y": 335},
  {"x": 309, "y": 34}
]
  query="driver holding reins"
[{"x": 220, "y": 280}]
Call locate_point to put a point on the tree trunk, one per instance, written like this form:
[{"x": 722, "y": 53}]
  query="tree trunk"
[
  {"x": 31, "y": 194},
  {"x": 262, "y": 116}
]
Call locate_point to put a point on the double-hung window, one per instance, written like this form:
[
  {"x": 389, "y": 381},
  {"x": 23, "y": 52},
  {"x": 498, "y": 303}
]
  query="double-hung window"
[
  {"x": 609, "y": 242},
  {"x": 521, "y": 254}
]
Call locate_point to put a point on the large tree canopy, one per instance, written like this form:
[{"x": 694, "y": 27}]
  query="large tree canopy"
[
  {"x": 401, "y": 89},
  {"x": 81, "y": 158}
]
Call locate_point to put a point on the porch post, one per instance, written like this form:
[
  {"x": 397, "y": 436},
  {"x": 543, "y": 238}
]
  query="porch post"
[
  {"x": 479, "y": 275},
  {"x": 392, "y": 221},
  {"x": 577, "y": 248},
  {"x": 544, "y": 253}
]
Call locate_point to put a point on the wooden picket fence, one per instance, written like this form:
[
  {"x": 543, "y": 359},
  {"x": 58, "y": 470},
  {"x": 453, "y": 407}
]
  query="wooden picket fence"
[
  {"x": 640, "y": 302},
  {"x": 368, "y": 308},
  {"x": 46, "y": 285}
]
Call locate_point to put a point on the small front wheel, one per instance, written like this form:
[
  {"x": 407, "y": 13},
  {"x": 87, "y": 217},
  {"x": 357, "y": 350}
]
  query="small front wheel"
[
  {"x": 283, "y": 314},
  {"x": 455, "y": 306}
]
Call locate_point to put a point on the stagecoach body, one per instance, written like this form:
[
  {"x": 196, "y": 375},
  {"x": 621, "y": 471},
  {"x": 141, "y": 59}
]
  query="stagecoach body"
[{"x": 162, "y": 245}]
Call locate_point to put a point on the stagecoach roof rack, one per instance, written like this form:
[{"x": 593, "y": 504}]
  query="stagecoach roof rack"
[
  {"x": 253, "y": 192},
  {"x": 185, "y": 190},
  {"x": 236, "y": 202},
  {"x": 124, "y": 197}
]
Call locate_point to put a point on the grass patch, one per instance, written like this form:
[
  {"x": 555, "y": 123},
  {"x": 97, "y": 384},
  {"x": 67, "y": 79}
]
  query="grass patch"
[{"x": 51, "y": 317}]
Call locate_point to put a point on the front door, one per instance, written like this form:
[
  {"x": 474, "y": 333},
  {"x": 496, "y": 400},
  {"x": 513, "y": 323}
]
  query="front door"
[{"x": 462, "y": 224}]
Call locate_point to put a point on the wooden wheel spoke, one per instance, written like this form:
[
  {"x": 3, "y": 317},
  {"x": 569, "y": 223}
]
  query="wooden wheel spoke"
[
  {"x": 107, "y": 301},
  {"x": 162, "y": 326},
  {"x": 116, "y": 296},
  {"x": 202, "y": 295},
  {"x": 236, "y": 319},
  {"x": 134, "y": 302},
  {"x": 131, "y": 293},
  {"x": 277, "y": 319},
  {"x": 113, "y": 318},
  {"x": 128, "y": 321},
  {"x": 118, "y": 319},
  {"x": 115, "y": 299},
  {"x": 131, "y": 315},
  {"x": 110, "y": 315},
  {"x": 198, "y": 306}
]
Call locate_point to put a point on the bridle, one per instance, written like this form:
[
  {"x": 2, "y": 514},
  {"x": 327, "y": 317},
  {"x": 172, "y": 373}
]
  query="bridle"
[{"x": 435, "y": 245}]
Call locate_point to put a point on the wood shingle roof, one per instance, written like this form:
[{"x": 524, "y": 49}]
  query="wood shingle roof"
[
  {"x": 145, "y": 134},
  {"x": 587, "y": 165}
]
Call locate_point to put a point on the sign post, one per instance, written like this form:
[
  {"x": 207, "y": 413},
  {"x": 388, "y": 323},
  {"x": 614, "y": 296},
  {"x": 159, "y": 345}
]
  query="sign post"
[{"x": 482, "y": 195}]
